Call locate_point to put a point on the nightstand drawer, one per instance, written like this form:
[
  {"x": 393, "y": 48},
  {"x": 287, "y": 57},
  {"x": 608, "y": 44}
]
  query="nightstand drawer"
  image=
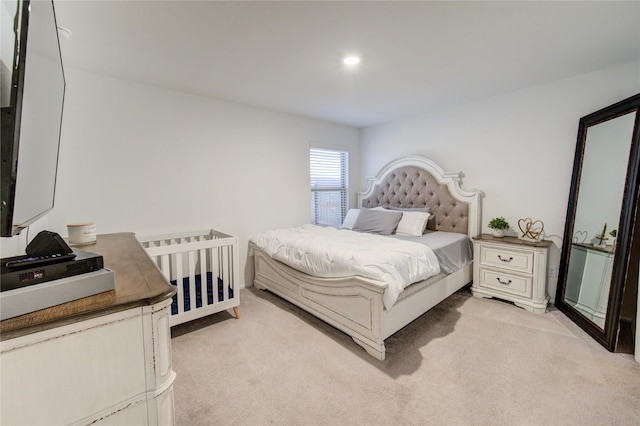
[
  {"x": 519, "y": 261},
  {"x": 511, "y": 269},
  {"x": 505, "y": 282}
]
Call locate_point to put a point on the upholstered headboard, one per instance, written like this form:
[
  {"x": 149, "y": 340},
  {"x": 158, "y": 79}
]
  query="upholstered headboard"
[{"x": 416, "y": 182}]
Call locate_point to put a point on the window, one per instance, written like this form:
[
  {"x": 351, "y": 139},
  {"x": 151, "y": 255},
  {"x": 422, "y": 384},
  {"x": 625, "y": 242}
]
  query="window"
[{"x": 329, "y": 172}]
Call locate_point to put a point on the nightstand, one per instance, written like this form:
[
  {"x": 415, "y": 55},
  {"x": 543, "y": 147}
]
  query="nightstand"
[{"x": 511, "y": 269}]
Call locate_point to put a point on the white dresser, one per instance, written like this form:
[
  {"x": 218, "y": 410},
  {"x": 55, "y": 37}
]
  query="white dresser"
[
  {"x": 511, "y": 269},
  {"x": 103, "y": 359}
]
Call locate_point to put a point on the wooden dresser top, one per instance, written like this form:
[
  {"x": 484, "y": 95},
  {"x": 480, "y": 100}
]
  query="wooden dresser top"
[{"x": 138, "y": 282}]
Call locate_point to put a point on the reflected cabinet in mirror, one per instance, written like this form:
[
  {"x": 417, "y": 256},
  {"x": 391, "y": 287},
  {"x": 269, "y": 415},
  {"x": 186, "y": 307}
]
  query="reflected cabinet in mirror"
[{"x": 596, "y": 249}]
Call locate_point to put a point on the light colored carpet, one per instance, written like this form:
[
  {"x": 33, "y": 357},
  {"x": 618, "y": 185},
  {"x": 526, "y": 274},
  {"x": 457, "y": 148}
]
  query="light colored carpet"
[{"x": 467, "y": 361}]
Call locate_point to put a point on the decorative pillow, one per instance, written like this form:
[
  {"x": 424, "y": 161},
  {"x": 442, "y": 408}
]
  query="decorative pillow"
[
  {"x": 412, "y": 224},
  {"x": 377, "y": 221},
  {"x": 350, "y": 218},
  {"x": 431, "y": 222}
]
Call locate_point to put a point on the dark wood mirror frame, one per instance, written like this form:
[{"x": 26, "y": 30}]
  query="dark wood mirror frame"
[{"x": 607, "y": 335}]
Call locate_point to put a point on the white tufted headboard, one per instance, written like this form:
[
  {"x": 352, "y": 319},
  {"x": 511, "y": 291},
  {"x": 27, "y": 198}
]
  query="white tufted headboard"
[{"x": 417, "y": 182}]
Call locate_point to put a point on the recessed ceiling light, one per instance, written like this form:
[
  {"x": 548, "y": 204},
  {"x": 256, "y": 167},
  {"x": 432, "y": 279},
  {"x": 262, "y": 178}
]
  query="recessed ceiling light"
[{"x": 351, "y": 60}]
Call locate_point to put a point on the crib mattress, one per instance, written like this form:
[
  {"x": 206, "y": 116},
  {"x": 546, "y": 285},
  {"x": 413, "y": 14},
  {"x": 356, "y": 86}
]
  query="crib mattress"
[{"x": 186, "y": 288}]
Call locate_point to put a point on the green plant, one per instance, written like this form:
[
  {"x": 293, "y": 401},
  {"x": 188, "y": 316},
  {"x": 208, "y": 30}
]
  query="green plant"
[
  {"x": 499, "y": 223},
  {"x": 613, "y": 233}
]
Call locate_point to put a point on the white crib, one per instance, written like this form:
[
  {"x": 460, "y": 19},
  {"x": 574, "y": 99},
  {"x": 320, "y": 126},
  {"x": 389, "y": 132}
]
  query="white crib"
[{"x": 203, "y": 265}]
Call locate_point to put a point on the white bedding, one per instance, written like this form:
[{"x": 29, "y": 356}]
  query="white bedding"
[{"x": 331, "y": 253}]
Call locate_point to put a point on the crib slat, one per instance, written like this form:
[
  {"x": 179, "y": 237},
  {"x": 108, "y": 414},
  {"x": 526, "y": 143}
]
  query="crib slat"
[
  {"x": 221, "y": 273},
  {"x": 232, "y": 270},
  {"x": 224, "y": 272},
  {"x": 202, "y": 259},
  {"x": 213, "y": 258},
  {"x": 177, "y": 261},
  {"x": 192, "y": 280},
  {"x": 165, "y": 265},
  {"x": 230, "y": 260}
]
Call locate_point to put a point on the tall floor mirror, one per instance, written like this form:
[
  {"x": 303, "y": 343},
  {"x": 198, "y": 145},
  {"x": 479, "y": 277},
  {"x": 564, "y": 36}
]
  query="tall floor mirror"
[{"x": 596, "y": 260}]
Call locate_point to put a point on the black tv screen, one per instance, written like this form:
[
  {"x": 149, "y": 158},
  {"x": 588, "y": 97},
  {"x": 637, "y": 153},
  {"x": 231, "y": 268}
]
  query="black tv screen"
[{"x": 32, "y": 121}]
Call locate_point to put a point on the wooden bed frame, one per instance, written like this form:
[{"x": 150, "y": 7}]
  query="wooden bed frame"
[{"x": 354, "y": 305}]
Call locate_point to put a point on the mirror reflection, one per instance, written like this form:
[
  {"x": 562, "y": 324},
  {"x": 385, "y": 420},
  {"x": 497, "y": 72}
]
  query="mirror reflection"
[{"x": 600, "y": 196}]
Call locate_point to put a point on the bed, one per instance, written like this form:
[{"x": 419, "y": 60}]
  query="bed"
[{"x": 359, "y": 305}]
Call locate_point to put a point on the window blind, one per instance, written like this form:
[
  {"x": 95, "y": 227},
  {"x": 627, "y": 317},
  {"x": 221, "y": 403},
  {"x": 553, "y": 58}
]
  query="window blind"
[{"x": 329, "y": 175}]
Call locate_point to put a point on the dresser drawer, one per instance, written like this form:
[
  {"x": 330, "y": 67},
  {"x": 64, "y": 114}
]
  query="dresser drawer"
[
  {"x": 514, "y": 260},
  {"x": 505, "y": 282}
]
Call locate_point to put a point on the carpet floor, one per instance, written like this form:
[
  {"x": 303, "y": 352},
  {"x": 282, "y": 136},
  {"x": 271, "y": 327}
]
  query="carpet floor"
[{"x": 468, "y": 361}]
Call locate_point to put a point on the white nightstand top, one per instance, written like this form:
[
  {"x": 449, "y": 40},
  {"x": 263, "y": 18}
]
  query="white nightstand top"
[{"x": 513, "y": 240}]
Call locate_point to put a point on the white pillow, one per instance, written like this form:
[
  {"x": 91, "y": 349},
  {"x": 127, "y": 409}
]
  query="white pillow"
[
  {"x": 412, "y": 224},
  {"x": 350, "y": 218}
]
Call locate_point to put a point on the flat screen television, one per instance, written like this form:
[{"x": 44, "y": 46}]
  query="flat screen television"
[{"x": 31, "y": 122}]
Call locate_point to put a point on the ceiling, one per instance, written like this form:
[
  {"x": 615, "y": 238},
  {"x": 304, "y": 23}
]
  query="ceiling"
[{"x": 286, "y": 56}]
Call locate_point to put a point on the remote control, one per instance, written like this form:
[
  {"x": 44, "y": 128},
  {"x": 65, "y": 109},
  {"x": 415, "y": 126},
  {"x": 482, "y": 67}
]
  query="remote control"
[{"x": 32, "y": 261}]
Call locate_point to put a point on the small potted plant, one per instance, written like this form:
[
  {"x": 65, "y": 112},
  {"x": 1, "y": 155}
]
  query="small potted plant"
[
  {"x": 614, "y": 234},
  {"x": 498, "y": 225}
]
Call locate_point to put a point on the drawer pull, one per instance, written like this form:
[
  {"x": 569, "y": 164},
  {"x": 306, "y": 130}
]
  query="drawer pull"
[
  {"x": 505, "y": 260},
  {"x": 503, "y": 282}
]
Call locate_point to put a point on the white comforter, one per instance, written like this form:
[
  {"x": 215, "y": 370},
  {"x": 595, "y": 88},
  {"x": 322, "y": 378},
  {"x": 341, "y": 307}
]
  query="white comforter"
[{"x": 332, "y": 253}]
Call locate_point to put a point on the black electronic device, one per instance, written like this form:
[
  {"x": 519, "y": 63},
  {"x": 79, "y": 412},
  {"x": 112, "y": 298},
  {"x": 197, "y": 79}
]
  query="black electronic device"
[
  {"x": 33, "y": 261},
  {"x": 31, "y": 120},
  {"x": 48, "y": 243},
  {"x": 42, "y": 270},
  {"x": 46, "y": 247}
]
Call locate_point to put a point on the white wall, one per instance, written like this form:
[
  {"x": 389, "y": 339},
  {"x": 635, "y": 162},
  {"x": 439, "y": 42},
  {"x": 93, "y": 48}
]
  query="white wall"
[
  {"x": 518, "y": 147},
  {"x": 140, "y": 158}
]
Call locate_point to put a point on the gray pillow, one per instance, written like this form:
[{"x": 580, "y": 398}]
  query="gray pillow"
[{"x": 377, "y": 221}]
